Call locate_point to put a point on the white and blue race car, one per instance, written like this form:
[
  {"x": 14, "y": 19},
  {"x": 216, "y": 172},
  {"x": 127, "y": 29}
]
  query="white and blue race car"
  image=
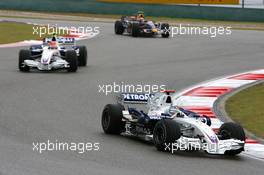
[
  {"x": 169, "y": 127},
  {"x": 53, "y": 54}
]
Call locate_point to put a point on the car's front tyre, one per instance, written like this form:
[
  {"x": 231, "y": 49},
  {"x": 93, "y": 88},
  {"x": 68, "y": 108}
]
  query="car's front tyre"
[
  {"x": 119, "y": 28},
  {"x": 166, "y": 28},
  {"x": 82, "y": 58},
  {"x": 71, "y": 58},
  {"x": 135, "y": 29},
  {"x": 232, "y": 131},
  {"x": 23, "y": 55},
  {"x": 165, "y": 133}
]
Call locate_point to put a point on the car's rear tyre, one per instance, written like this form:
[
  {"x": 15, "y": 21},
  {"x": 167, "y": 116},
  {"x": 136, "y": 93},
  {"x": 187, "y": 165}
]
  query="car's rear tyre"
[
  {"x": 166, "y": 28},
  {"x": 112, "y": 119},
  {"x": 71, "y": 58},
  {"x": 165, "y": 133},
  {"x": 82, "y": 58},
  {"x": 232, "y": 131},
  {"x": 23, "y": 55},
  {"x": 119, "y": 28},
  {"x": 135, "y": 29}
]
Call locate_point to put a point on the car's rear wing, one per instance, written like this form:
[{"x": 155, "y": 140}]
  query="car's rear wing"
[
  {"x": 135, "y": 98},
  {"x": 61, "y": 40}
]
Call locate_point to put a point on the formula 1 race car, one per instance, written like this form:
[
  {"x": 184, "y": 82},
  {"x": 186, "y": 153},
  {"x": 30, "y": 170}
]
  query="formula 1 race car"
[
  {"x": 169, "y": 127},
  {"x": 53, "y": 54},
  {"x": 138, "y": 26}
]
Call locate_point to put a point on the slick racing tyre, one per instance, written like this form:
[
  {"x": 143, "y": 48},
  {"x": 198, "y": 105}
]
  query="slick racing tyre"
[
  {"x": 112, "y": 119},
  {"x": 82, "y": 58},
  {"x": 71, "y": 58},
  {"x": 135, "y": 29},
  {"x": 232, "y": 131},
  {"x": 119, "y": 28},
  {"x": 165, "y": 133},
  {"x": 166, "y": 28},
  {"x": 24, "y": 55}
]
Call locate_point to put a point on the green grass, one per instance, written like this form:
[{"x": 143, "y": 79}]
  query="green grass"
[
  {"x": 247, "y": 108},
  {"x": 13, "y": 32}
]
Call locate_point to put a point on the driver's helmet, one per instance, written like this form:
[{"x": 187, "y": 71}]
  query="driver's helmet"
[
  {"x": 140, "y": 15},
  {"x": 53, "y": 45},
  {"x": 54, "y": 37}
]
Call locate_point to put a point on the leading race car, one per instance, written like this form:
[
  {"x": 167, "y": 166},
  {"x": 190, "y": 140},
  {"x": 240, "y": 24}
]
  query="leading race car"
[
  {"x": 138, "y": 26},
  {"x": 55, "y": 53},
  {"x": 169, "y": 127}
]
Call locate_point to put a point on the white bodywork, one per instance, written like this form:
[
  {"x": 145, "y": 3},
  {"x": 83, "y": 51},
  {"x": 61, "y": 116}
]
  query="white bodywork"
[
  {"x": 50, "y": 59},
  {"x": 195, "y": 132},
  {"x": 207, "y": 141}
]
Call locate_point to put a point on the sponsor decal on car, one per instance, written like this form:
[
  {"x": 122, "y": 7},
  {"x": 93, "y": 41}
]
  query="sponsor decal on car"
[{"x": 136, "y": 97}]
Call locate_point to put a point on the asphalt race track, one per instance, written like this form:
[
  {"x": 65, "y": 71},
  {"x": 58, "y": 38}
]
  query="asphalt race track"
[{"x": 36, "y": 107}]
